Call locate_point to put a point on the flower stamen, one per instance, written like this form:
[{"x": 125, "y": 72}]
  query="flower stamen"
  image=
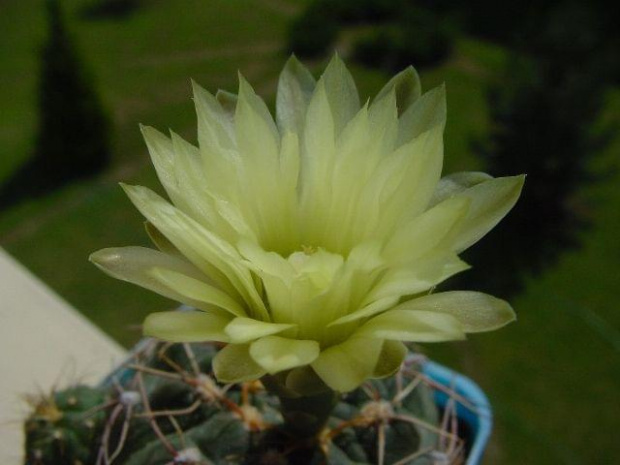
[{"x": 308, "y": 249}]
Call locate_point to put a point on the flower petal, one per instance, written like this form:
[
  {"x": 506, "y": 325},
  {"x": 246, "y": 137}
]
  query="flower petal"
[
  {"x": 215, "y": 257},
  {"x": 304, "y": 381},
  {"x": 177, "y": 163},
  {"x": 426, "y": 112},
  {"x": 348, "y": 177},
  {"x": 289, "y": 164},
  {"x": 406, "y": 86},
  {"x": 265, "y": 262},
  {"x": 228, "y": 101},
  {"x": 235, "y": 220},
  {"x": 289, "y": 293},
  {"x": 368, "y": 310},
  {"x": 134, "y": 264},
  {"x": 286, "y": 235},
  {"x": 417, "y": 276},
  {"x": 427, "y": 231},
  {"x": 317, "y": 159},
  {"x": 234, "y": 364},
  {"x": 414, "y": 326},
  {"x": 197, "y": 290},
  {"x": 162, "y": 155},
  {"x": 186, "y": 326},
  {"x": 215, "y": 128},
  {"x": 257, "y": 136},
  {"x": 456, "y": 183},
  {"x": 276, "y": 354},
  {"x": 160, "y": 241},
  {"x": 390, "y": 359},
  {"x": 295, "y": 88},
  {"x": 345, "y": 366},
  {"x": 341, "y": 91},
  {"x": 475, "y": 311},
  {"x": 242, "y": 330},
  {"x": 195, "y": 197},
  {"x": 218, "y": 145},
  {"x": 407, "y": 191},
  {"x": 258, "y": 142},
  {"x": 490, "y": 202},
  {"x": 383, "y": 116},
  {"x": 413, "y": 278}
]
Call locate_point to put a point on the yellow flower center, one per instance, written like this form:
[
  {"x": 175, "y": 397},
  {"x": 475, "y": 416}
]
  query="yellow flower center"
[
  {"x": 308, "y": 249},
  {"x": 316, "y": 265}
]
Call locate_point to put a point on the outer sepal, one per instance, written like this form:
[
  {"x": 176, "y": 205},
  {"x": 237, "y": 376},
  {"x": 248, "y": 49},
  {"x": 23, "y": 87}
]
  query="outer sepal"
[
  {"x": 191, "y": 326},
  {"x": 234, "y": 364}
]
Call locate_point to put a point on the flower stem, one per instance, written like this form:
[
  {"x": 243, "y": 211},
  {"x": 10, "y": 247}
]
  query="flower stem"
[{"x": 304, "y": 415}]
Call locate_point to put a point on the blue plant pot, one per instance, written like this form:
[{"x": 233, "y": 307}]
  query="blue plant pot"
[{"x": 478, "y": 421}]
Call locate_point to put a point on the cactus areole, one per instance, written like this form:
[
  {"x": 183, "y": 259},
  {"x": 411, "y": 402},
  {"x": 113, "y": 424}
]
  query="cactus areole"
[{"x": 308, "y": 245}]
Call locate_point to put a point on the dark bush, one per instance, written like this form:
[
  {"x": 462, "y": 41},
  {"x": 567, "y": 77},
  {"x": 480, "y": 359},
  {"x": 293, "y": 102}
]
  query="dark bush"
[
  {"x": 312, "y": 34},
  {"x": 72, "y": 138},
  {"x": 419, "y": 38},
  {"x": 545, "y": 114},
  {"x": 110, "y": 9},
  {"x": 366, "y": 11}
]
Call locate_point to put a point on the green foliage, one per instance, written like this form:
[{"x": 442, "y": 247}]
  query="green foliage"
[
  {"x": 316, "y": 29},
  {"x": 364, "y": 11},
  {"x": 110, "y": 9},
  {"x": 502, "y": 21},
  {"x": 418, "y": 37},
  {"x": 402, "y": 33},
  {"x": 545, "y": 113},
  {"x": 508, "y": 23},
  {"x": 73, "y": 132},
  {"x": 311, "y": 34},
  {"x": 166, "y": 407}
]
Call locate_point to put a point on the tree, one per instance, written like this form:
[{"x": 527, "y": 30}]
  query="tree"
[
  {"x": 544, "y": 115},
  {"x": 73, "y": 131}
]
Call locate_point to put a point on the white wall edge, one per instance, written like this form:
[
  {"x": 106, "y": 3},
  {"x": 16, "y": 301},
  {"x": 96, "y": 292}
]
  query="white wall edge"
[{"x": 45, "y": 344}]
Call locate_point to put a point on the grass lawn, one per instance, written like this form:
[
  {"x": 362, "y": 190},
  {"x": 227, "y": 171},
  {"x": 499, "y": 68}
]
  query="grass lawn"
[{"x": 554, "y": 377}]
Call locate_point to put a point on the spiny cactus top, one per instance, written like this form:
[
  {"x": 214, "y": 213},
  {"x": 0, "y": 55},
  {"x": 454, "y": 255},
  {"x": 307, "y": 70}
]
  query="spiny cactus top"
[{"x": 310, "y": 244}]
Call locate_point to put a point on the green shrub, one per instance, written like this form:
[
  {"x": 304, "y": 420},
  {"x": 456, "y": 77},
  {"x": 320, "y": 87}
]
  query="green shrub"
[
  {"x": 419, "y": 38},
  {"x": 73, "y": 132},
  {"x": 110, "y": 9},
  {"x": 312, "y": 34},
  {"x": 366, "y": 11},
  {"x": 545, "y": 114}
]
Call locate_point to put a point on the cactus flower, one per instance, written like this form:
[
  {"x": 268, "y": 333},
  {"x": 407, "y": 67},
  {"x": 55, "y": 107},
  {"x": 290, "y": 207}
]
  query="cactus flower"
[{"x": 310, "y": 245}]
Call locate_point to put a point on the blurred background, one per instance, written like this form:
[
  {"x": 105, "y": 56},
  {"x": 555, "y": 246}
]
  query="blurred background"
[{"x": 532, "y": 88}]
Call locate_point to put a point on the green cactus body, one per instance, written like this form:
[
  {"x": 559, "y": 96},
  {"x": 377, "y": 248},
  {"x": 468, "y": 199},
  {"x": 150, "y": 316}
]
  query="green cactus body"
[
  {"x": 64, "y": 427},
  {"x": 165, "y": 408}
]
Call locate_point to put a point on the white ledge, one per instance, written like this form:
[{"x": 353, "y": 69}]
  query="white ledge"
[{"x": 45, "y": 344}]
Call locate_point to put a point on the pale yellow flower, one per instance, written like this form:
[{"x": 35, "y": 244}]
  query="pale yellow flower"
[{"x": 310, "y": 245}]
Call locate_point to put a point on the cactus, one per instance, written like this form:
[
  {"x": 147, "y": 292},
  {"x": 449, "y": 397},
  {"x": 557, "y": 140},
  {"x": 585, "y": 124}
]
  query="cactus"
[
  {"x": 165, "y": 407},
  {"x": 64, "y": 427}
]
